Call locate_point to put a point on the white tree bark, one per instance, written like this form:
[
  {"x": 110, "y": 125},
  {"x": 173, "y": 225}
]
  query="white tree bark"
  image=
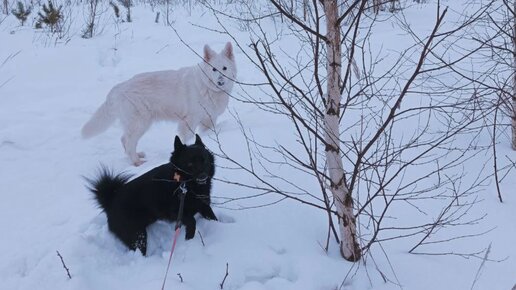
[
  {"x": 349, "y": 247},
  {"x": 6, "y": 7}
]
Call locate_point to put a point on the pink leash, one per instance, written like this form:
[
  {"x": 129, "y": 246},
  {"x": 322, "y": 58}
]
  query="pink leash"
[
  {"x": 182, "y": 187},
  {"x": 178, "y": 230}
]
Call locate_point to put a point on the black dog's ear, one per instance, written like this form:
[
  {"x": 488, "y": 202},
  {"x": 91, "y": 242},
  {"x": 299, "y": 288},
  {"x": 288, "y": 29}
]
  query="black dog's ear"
[
  {"x": 178, "y": 144},
  {"x": 198, "y": 141}
]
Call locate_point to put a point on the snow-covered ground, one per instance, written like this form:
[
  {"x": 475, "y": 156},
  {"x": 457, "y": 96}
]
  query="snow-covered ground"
[{"x": 48, "y": 91}]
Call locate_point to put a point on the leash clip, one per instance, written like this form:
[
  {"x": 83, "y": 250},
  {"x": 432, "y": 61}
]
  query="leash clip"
[{"x": 182, "y": 187}]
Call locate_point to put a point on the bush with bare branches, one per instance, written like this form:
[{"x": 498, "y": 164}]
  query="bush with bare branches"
[{"x": 379, "y": 135}]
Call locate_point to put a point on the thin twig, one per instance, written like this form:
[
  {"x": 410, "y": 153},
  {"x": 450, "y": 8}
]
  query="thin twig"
[
  {"x": 495, "y": 163},
  {"x": 64, "y": 265},
  {"x": 225, "y": 276},
  {"x": 202, "y": 240},
  {"x": 481, "y": 266}
]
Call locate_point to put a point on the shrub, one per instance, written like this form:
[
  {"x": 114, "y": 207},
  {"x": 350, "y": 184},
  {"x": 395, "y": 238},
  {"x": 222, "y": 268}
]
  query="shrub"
[
  {"x": 50, "y": 16},
  {"x": 21, "y": 13}
]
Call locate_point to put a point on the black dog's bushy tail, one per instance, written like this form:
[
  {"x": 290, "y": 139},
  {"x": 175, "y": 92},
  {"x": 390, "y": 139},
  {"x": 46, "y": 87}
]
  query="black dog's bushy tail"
[{"x": 105, "y": 185}]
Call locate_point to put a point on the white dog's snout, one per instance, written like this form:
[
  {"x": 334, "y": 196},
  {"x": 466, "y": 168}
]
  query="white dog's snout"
[{"x": 220, "y": 81}]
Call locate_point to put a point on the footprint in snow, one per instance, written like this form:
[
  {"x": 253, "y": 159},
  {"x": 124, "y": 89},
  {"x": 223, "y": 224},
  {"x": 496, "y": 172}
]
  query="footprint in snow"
[{"x": 225, "y": 219}]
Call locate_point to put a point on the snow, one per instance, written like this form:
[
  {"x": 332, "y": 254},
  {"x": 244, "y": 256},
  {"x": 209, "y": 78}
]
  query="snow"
[{"x": 52, "y": 89}]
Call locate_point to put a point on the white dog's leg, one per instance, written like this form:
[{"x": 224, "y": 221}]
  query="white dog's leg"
[
  {"x": 132, "y": 134},
  {"x": 184, "y": 131},
  {"x": 208, "y": 123},
  {"x": 186, "y": 128}
]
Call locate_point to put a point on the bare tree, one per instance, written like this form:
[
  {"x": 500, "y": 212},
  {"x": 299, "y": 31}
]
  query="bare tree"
[
  {"x": 92, "y": 18},
  {"x": 378, "y": 5},
  {"x": 513, "y": 95},
  {"x": 127, "y": 4},
  {"x": 350, "y": 249},
  {"x": 499, "y": 36},
  {"x": 5, "y": 7},
  {"x": 496, "y": 33},
  {"x": 348, "y": 108}
]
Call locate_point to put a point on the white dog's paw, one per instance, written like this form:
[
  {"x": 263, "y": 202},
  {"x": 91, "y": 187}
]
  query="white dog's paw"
[{"x": 138, "y": 162}]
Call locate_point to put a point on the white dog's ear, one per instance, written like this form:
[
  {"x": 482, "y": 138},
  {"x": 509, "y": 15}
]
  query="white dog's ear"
[
  {"x": 228, "y": 51},
  {"x": 208, "y": 53}
]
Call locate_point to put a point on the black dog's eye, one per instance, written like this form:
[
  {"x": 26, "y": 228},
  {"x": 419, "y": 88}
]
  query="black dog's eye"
[
  {"x": 214, "y": 69},
  {"x": 224, "y": 68}
]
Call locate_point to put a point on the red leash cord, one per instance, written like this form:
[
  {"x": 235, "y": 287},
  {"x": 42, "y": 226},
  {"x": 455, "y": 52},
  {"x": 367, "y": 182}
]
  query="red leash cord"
[
  {"x": 178, "y": 230},
  {"x": 182, "y": 187}
]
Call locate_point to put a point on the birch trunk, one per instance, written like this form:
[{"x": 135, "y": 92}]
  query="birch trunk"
[
  {"x": 349, "y": 247},
  {"x": 513, "y": 97},
  {"x": 6, "y": 7}
]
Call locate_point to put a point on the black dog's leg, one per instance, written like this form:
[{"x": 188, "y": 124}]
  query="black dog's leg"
[
  {"x": 207, "y": 212},
  {"x": 190, "y": 225},
  {"x": 133, "y": 237},
  {"x": 141, "y": 242}
]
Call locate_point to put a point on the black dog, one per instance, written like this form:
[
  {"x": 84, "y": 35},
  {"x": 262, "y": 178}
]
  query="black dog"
[{"x": 131, "y": 206}]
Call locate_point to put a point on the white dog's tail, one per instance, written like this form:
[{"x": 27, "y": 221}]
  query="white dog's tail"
[{"x": 99, "y": 122}]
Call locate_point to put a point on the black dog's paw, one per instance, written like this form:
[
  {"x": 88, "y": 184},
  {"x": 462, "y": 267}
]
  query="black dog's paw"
[
  {"x": 209, "y": 214},
  {"x": 190, "y": 225},
  {"x": 189, "y": 234},
  {"x": 211, "y": 217}
]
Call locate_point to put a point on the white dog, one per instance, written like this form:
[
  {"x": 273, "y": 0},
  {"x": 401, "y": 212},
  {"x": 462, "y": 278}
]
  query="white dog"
[{"x": 194, "y": 96}]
